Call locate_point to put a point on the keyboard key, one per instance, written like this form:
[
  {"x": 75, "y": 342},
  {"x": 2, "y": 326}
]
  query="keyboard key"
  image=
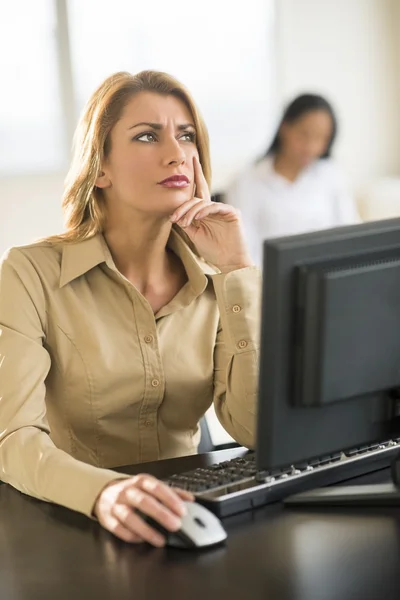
[
  {"x": 352, "y": 452},
  {"x": 302, "y": 466},
  {"x": 336, "y": 456},
  {"x": 314, "y": 462}
]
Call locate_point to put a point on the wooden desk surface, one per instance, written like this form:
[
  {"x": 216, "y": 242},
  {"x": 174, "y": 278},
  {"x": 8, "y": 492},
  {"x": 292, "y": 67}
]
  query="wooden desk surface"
[{"x": 47, "y": 552}]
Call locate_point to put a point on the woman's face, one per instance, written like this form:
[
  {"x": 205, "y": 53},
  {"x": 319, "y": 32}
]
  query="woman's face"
[
  {"x": 155, "y": 139},
  {"x": 307, "y": 138}
]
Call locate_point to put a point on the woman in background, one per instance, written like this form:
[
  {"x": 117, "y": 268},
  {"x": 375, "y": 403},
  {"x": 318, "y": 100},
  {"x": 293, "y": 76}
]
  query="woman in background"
[{"x": 295, "y": 187}]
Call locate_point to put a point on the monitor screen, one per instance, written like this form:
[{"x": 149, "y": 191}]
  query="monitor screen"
[{"x": 330, "y": 342}]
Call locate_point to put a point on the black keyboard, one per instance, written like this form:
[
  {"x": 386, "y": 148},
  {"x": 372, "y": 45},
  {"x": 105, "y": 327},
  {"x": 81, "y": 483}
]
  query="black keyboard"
[{"x": 236, "y": 485}]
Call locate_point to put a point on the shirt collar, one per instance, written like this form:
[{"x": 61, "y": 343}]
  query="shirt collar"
[{"x": 80, "y": 257}]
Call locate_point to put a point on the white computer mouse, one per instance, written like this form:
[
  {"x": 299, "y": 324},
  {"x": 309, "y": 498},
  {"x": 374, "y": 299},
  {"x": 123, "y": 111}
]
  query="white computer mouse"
[{"x": 200, "y": 528}]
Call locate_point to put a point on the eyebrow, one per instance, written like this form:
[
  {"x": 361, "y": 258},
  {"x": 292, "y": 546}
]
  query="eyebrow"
[{"x": 158, "y": 126}]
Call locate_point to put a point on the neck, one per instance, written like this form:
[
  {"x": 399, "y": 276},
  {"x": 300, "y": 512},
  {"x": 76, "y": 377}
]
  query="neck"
[
  {"x": 286, "y": 167},
  {"x": 139, "y": 249}
]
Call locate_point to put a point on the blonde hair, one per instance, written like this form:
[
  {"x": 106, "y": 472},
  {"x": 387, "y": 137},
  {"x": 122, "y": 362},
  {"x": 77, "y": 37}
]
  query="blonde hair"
[{"x": 83, "y": 203}]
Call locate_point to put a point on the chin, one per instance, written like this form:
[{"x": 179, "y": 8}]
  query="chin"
[
  {"x": 167, "y": 205},
  {"x": 305, "y": 162},
  {"x": 176, "y": 198}
]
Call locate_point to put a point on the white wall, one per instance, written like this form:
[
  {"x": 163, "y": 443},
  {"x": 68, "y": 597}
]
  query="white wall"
[
  {"x": 348, "y": 50},
  {"x": 30, "y": 207},
  {"x": 394, "y": 18}
]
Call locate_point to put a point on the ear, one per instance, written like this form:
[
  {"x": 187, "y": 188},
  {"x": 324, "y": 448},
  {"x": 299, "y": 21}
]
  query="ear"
[{"x": 103, "y": 181}]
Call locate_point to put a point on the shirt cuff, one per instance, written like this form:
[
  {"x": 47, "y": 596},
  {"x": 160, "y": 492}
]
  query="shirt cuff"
[
  {"x": 81, "y": 492},
  {"x": 238, "y": 296}
]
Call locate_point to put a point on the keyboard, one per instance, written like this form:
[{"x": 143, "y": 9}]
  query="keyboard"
[{"x": 235, "y": 485}]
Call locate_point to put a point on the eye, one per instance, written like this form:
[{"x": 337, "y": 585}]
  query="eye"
[
  {"x": 147, "y": 138},
  {"x": 188, "y": 136}
]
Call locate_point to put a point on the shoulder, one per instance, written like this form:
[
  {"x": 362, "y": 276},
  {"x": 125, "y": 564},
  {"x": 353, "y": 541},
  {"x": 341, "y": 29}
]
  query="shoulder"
[
  {"x": 257, "y": 169},
  {"x": 41, "y": 259},
  {"x": 264, "y": 168},
  {"x": 328, "y": 168},
  {"x": 252, "y": 175}
]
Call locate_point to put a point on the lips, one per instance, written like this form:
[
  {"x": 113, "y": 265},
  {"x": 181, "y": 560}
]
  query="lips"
[{"x": 175, "y": 181}]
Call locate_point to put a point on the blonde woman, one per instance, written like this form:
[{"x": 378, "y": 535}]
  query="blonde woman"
[{"x": 117, "y": 335}]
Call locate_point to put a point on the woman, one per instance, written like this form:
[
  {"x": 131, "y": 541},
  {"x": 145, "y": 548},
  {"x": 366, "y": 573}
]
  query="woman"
[
  {"x": 115, "y": 336},
  {"x": 295, "y": 187}
]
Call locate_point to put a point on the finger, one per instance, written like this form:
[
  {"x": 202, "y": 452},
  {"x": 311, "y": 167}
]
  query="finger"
[
  {"x": 184, "y": 494},
  {"x": 202, "y": 190},
  {"x": 183, "y": 209},
  {"x": 153, "y": 508},
  {"x": 118, "y": 529},
  {"x": 216, "y": 208},
  {"x": 135, "y": 524},
  {"x": 163, "y": 493},
  {"x": 188, "y": 217}
]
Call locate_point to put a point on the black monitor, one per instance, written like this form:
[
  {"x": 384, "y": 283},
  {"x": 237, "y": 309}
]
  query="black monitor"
[{"x": 330, "y": 342}]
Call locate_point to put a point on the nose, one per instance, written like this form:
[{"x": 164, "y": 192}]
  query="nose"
[{"x": 174, "y": 153}]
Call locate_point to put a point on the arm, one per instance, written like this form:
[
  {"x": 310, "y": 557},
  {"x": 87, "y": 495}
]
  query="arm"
[
  {"x": 217, "y": 232},
  {"x": 29, "y": 460},
  {"x": 236, "y": 352}
]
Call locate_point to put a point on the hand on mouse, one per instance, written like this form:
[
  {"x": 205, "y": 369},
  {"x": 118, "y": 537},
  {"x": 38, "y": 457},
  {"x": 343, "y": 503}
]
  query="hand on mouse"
[{"x": 116, "y": 504}]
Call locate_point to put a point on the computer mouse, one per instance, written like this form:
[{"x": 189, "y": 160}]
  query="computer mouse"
[{"x": 200, "y": 528}]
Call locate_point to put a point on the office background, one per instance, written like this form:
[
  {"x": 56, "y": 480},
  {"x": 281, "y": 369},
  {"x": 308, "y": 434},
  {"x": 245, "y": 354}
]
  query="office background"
[{"x": 242, "y": 62}]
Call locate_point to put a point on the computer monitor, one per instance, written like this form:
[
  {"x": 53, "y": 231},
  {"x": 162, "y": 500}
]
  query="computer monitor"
[{"x": 330, "y": 342}]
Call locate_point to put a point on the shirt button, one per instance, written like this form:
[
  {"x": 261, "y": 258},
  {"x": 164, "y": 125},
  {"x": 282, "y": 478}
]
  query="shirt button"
[
  {"x": 148, "y": 339},
  {"x": 242, "y": 344},
  {"x": 236, "y": 308},
  {"x": 155, "y": 383},
  {"x": 147, "y": 423}
]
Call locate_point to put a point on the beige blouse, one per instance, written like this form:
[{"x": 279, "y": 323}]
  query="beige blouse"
[{"x": 91, "y": 379}]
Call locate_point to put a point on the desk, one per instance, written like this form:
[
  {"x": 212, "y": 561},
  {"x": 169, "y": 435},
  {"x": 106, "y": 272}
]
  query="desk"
[{"x": 47, "y": 552}]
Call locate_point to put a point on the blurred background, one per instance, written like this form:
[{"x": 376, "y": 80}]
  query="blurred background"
[{"x": 242, "y": 62}]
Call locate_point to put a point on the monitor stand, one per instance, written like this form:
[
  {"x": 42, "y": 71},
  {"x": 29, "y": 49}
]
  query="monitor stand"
[{"x": 378, "y": 494}]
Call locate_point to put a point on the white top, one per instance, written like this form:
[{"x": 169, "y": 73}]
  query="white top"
[{"x": 272, "y": 206}]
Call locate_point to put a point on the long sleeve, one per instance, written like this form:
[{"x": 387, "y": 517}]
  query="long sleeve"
[
  {"x": 29, "y": 460},
  {"x": 237, "y": 352}
]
